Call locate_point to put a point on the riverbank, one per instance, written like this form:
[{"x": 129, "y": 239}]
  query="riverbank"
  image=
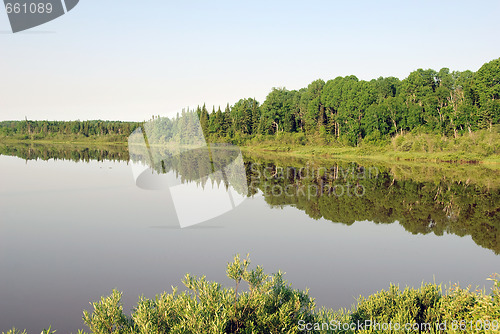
[
  {"x": 481, "y": 147},
  {"x": 68, "y": 140},
  {"x": 374, "y": 155}
]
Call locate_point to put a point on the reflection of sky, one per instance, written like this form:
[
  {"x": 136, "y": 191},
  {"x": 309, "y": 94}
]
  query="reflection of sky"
[
  {"x": 129, "y": 60},
  {"x": 93, "y": 230}
]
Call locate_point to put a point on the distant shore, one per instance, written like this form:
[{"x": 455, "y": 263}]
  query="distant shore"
[{"x": 479, "y": 148}]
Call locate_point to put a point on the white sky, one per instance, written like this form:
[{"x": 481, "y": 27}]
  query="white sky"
[{"x": 128, "y": 60}]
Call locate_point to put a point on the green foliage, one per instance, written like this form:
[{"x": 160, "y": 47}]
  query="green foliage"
[
  {"x": 270, "y": 306},
  {"x": 425, "y": 308},
  {"x": 407, "y": 306},
  {"x": 44, "y": 331},
  {"x": 345, "y": 110},
  {"x": 14, "y": 331},
  {"x": 48, "y": 331},
  {"x": 58, "y": 130},
  {"x": 488, "y": 306},
  {"x": 107, "y": 315},
  {"x": 474, "y": 146}
]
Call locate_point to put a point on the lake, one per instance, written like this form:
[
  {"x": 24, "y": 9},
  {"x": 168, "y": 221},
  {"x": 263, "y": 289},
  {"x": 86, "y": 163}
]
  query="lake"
[{"x": 74, "y": 225}]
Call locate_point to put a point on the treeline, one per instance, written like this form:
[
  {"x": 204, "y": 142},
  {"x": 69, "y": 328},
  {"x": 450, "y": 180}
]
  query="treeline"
[
  {"x": 349, "y": 110},
  {"x": 29, "y": 129},
  {"x": 345, "y": 109}
]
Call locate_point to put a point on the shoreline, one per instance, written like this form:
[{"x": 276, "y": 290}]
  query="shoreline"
[
  {"x": 378, "y": 154},
  {"x": 329, "y": 153}
]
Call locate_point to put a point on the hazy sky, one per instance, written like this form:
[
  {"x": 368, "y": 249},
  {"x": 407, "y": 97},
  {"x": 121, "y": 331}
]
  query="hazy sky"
[{"x": 128, "y": 60}]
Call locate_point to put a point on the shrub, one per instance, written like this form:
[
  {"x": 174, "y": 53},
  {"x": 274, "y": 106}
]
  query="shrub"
[
  {"x": 270, "y": 306},
  {"x": 14, "y": 331}
]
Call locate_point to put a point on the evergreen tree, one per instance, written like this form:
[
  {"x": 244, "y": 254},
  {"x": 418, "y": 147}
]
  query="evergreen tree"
[{"x": 204, "y": 121}]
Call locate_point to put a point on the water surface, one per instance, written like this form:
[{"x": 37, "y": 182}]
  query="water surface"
[{"x": 75, "y": 226}]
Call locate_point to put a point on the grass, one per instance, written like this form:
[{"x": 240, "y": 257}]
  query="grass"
[
  {"x": 67, "y": 139},
  {"x": 478, "y": 147},
  {"x": 486, "y": 175}
]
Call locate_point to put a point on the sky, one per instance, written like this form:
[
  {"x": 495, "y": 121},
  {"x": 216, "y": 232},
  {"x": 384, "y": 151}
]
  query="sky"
[{"x": 128, "y": 60}]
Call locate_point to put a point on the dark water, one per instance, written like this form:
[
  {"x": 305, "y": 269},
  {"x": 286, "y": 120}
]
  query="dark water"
[{"x": 74, "y": 226}]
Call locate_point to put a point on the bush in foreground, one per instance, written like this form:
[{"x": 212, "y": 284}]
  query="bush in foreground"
[{"x": 271, "y": 305}]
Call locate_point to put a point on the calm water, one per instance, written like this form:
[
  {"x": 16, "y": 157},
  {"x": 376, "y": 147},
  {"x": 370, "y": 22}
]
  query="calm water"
[{"x": 71, "y": 231}]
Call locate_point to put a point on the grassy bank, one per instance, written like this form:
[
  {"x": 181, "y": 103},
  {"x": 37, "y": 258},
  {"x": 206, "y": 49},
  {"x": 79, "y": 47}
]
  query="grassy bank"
[
  {"x": 269, "y": 304},
  {"x": 65, "y": 139},
  {"x": 483, "y": 174},
  {"x": 477, "y": 147}
]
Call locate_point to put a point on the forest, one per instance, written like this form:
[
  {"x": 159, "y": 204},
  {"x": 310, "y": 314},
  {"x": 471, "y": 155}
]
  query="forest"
[
  {"x": 40, "y": 130},
  {"x": 351, "y": 110},
  {"x": 344, "y": 110}
]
